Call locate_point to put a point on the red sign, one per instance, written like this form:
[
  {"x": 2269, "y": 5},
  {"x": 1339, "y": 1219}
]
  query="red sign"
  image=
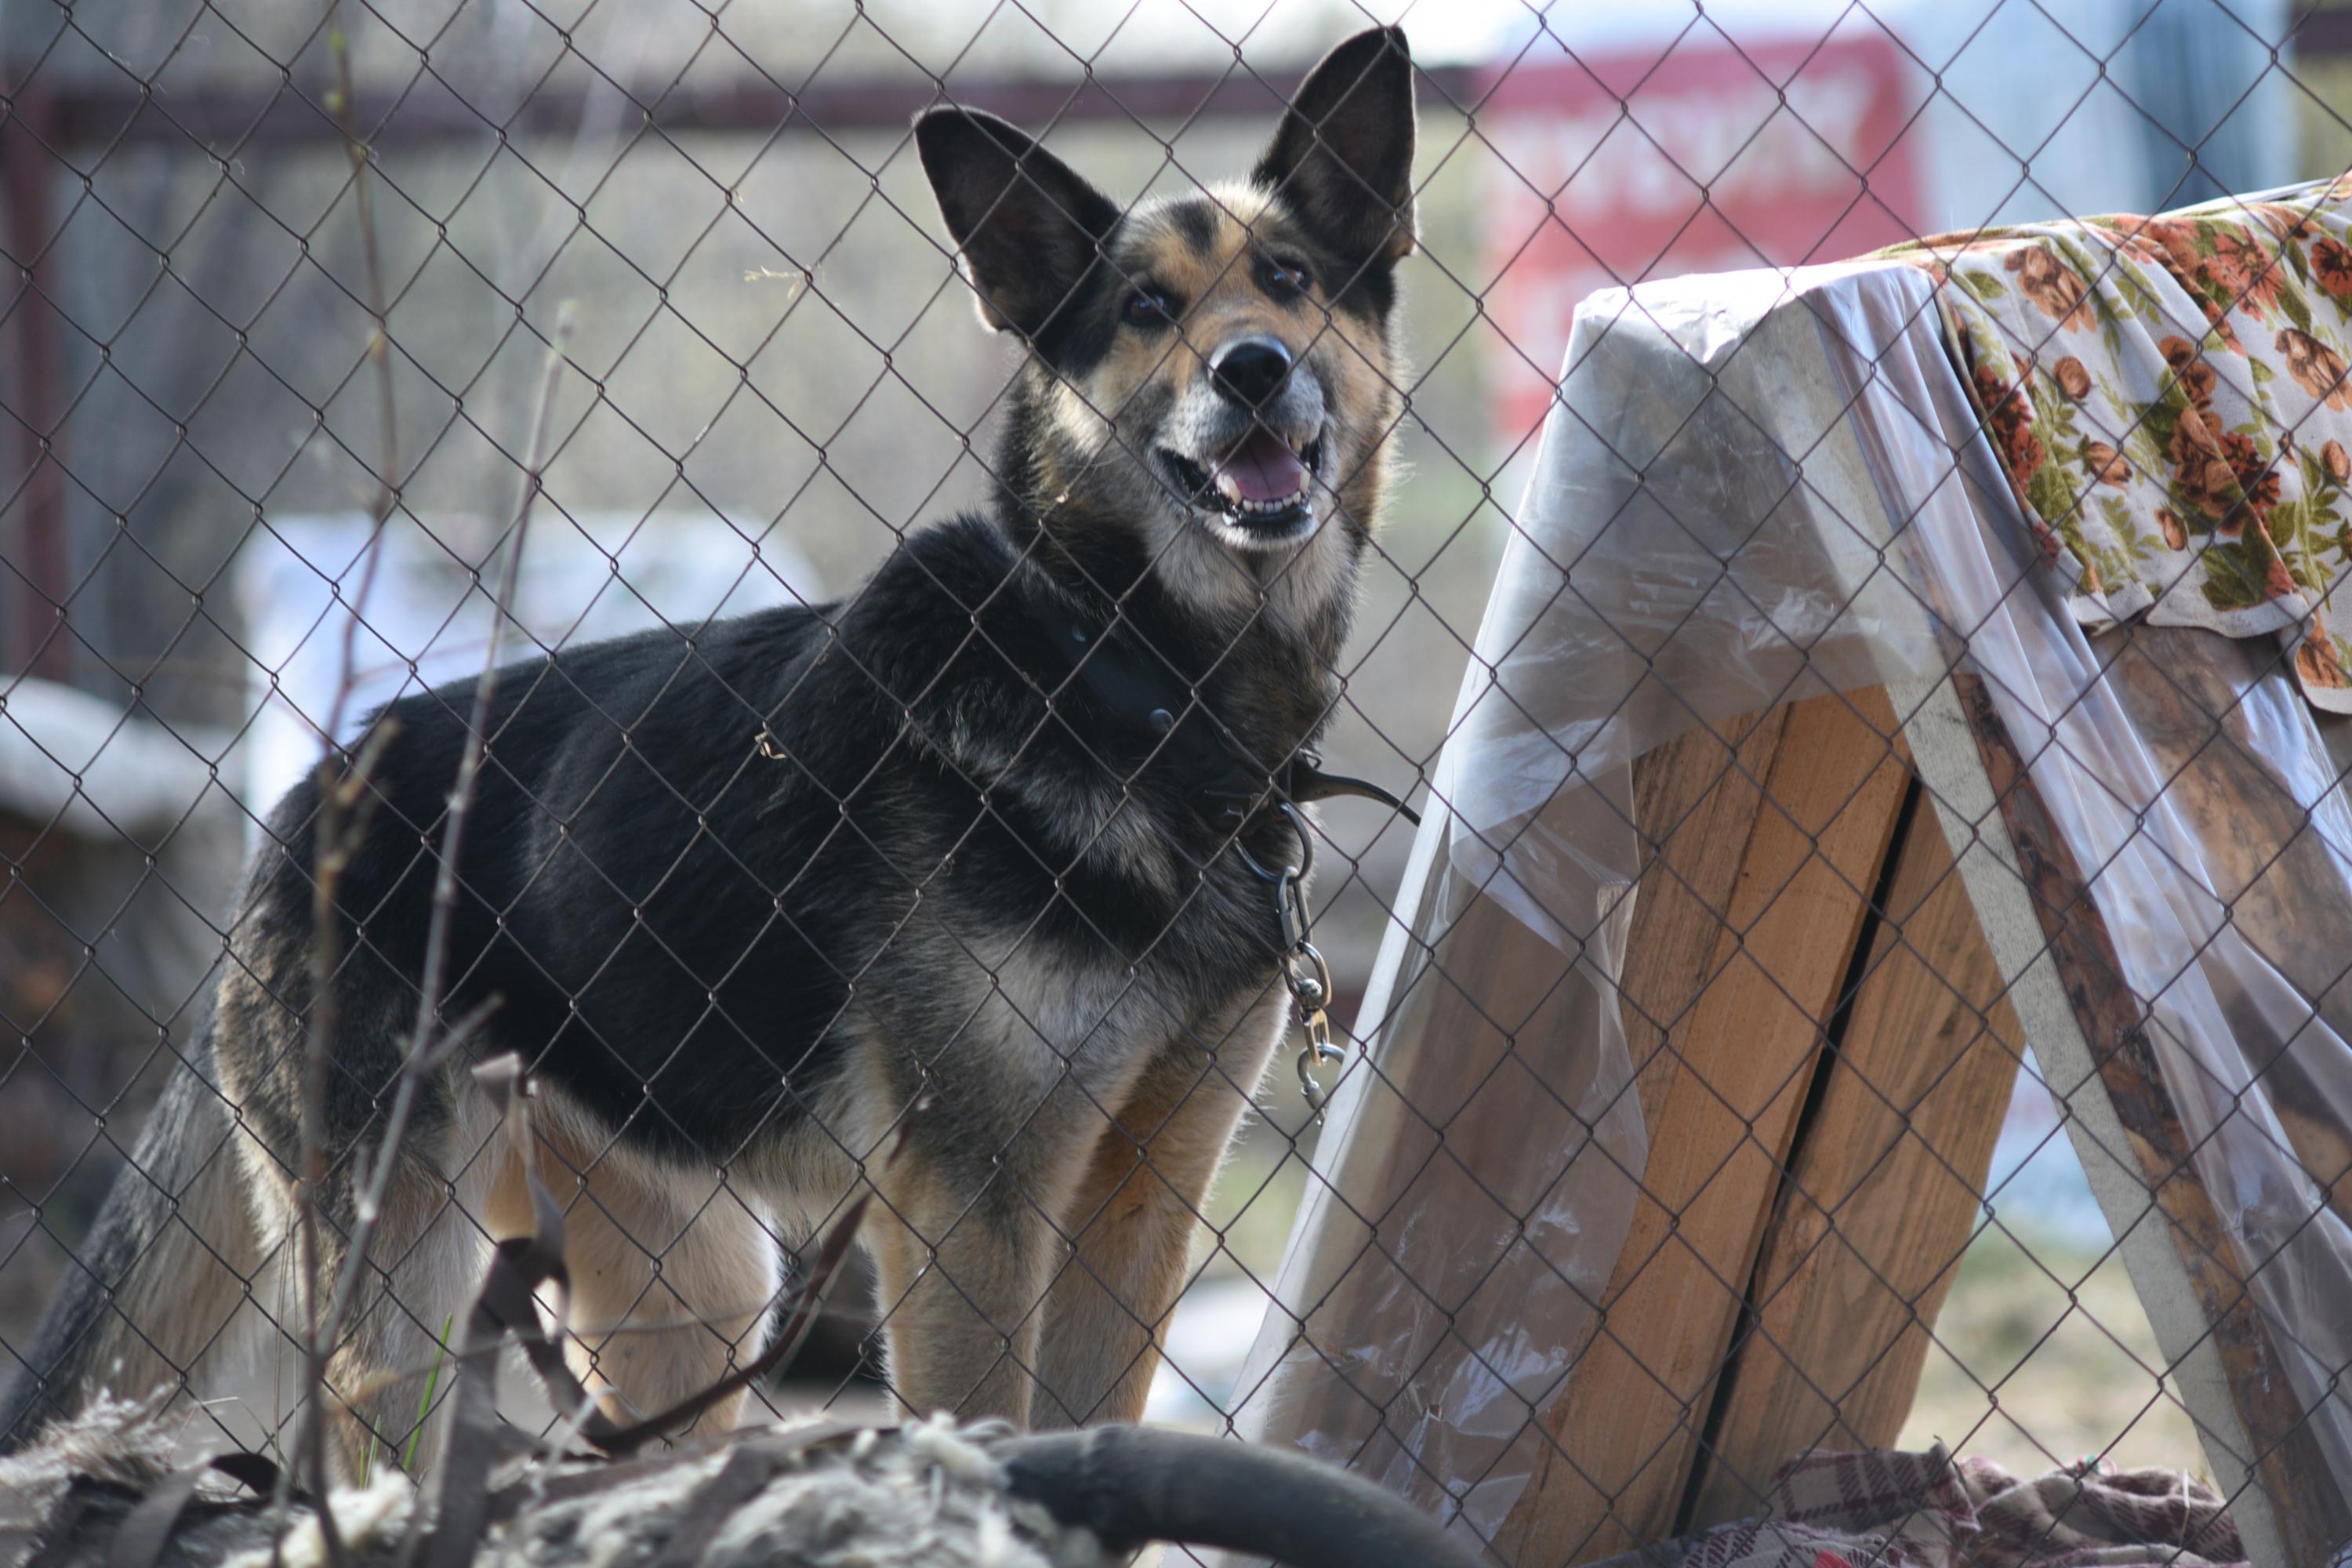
[{"x": 1619, "y": 167}]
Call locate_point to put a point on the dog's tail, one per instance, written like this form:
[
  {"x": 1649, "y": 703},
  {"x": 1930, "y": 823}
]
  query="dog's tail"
[{"x": 161, "y": 1273}]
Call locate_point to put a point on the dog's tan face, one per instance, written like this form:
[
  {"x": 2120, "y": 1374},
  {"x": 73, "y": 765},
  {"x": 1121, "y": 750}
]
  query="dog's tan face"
[
  {"x": 1212, "y": 372},
  {"x": 1235, "y": 384}
]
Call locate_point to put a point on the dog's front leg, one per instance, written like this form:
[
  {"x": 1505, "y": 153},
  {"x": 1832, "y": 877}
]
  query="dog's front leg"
[
  {"x": 1133, "y": 1216},
  {"x": 963, "y": 1249}
]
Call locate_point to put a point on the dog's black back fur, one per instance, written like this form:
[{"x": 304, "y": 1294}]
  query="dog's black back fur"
[{"x": 654, "y": 901}]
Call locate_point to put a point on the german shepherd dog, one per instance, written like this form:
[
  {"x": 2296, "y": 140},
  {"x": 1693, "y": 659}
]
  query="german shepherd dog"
[{"x": 937, "y": 890}]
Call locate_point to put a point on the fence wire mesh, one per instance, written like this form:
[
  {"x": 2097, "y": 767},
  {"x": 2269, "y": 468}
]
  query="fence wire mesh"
[{"x": 355, "y": 349}]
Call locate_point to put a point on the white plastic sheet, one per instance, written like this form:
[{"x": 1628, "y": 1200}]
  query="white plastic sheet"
[
  {"x": 1758, "y": 488},
  {"x": 2207, "y": 809},
  {"x": 1675, "y": 559}
]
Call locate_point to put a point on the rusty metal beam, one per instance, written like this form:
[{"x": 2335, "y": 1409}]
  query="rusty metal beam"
[{"x": 277, "y": 115}]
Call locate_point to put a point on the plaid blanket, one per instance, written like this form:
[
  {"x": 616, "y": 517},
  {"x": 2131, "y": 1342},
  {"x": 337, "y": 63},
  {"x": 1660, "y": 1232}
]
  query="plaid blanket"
[{"x": 1889, "y": 1510}]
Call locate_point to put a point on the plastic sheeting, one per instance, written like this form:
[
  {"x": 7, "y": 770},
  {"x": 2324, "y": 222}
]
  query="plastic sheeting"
[
  {"x": 2196, "y": 788},
  {"x": 1756, "y": 488}
]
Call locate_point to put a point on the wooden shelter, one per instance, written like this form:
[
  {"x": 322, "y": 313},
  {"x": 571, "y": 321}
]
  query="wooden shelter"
[{"x": 1889, "y": 817}]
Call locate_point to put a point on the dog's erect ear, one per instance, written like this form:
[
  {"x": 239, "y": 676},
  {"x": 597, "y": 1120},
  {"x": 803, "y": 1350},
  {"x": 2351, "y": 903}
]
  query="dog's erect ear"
[
  {"x": 1028, "y": 226},
  {"x": 1343, "y": 157}
]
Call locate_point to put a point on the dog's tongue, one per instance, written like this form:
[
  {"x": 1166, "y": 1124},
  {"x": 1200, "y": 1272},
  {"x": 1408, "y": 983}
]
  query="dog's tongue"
[{"x": 1261, "y": 470}]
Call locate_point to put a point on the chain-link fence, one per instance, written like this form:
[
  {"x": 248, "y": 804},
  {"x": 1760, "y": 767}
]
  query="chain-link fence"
[{"x": 1866, "y": 976}]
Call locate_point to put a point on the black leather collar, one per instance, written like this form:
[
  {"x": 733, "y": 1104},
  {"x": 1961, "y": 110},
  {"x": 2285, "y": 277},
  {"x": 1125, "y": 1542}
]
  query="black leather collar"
[{"x": 1227, "y": 787}]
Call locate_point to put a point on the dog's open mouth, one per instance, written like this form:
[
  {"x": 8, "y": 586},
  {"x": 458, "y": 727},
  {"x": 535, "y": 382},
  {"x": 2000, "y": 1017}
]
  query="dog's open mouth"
[{"x": 1260, "y": 485}]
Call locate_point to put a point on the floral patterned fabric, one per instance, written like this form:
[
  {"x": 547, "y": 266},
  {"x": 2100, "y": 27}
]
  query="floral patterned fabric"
[{"x": 2169, "y": 396}]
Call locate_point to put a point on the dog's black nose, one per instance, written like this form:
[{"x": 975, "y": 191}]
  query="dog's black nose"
[{"x": 1250, "y": 371}]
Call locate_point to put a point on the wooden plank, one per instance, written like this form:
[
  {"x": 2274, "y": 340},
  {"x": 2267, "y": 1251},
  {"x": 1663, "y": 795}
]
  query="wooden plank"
[
  {"x": 2306, "y": 1507},
  {"x": 1483, "y": 1048},
  {"x": 1696, "y": 801},
  {"x": 1883, "y": 1193},
  {"x": 2187, "y": 691},
  {"x": 1724, "y": 1048}
]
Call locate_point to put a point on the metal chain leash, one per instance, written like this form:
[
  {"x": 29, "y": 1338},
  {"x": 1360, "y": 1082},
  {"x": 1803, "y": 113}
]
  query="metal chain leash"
[{"x": 1305, "y": 973}]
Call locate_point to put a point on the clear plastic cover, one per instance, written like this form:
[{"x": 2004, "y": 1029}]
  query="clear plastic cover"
[{"x": 1754, "y": 489}]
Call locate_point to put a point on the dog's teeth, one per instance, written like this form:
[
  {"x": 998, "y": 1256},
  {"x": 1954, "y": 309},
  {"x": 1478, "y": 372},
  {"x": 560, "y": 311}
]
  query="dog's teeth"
[
  {"x": 1267, "y": 509},
  {"x": 1280, "y": 503}
]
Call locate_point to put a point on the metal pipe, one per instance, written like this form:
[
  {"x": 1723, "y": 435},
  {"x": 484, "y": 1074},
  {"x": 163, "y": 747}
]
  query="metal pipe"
[{"x": 1130, "y": 1485}]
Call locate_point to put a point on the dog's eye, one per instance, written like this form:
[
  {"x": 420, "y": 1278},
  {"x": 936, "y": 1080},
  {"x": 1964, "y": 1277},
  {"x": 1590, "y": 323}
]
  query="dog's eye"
[
  {"x": 1149, "y": 307},
  {"x": 1285, "y": 278}
]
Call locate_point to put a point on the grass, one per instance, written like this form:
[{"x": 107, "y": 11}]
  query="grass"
[
  {"x": 2043, "y": 1355},
  {"x": 423, "y": 1408},
  {"x": 432, "y": 1385}
]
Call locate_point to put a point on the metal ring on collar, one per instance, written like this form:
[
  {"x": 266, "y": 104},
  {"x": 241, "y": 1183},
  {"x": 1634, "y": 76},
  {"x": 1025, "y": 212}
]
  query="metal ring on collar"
[{"x": 1306, "y": 849}]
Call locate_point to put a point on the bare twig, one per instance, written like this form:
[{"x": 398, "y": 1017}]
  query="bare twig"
[
  {"x": 340, "y": 818},
  {"x": 428, "y": 1046},
  {"x": 486, "y": 690},
  {"x": 387, "y": 494},
  {"x": 343, "y": 813}
]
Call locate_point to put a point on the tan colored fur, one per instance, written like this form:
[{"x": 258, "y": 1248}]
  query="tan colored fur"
[
  {"x": 1215, "y": 568},
  {"x": 1130, "y": 1224},
  {"x": 671, "y": 1278},
  {"x": 424, "y": 1266},
  {"x": 178, "y": 1319}
]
